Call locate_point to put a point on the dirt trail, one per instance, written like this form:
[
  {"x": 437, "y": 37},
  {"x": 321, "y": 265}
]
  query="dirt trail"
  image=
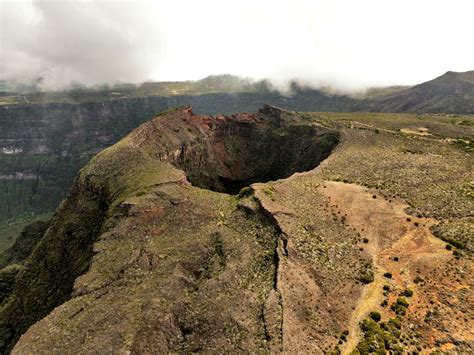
[{"x": 391, "y": 233}]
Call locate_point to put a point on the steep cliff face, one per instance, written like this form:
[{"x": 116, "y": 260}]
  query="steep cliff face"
[
  {"x": 43, "y": 146},
  {"x": 201, "y": 243}
]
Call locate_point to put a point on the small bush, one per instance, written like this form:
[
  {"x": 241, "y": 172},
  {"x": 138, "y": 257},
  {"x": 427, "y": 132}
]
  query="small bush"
[
  {"x": 398, "y": 309},
  {"x": 407, "y": 293},
  {"x": 388, "y": 275},
  {"x": 400, "y": 306},
  {"x": 402, "y": 301},
  {"x": 367, "y": 277},
  {"x": 375, "y": 316},
  {"x": 418, "y": 279}
]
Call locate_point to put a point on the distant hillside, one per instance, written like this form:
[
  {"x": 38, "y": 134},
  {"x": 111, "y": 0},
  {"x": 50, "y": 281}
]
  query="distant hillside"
[
  {"x": 14, "y": 93},
  {"x": 376, "y": 92},
  {"x": 450, "y": 93}
]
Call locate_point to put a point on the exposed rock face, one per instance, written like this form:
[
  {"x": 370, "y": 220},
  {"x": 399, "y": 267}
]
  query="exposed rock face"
[{"x": 138, "y": 259}]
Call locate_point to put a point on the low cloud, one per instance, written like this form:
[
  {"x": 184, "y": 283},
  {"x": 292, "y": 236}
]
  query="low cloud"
[{"x": 343, "y": 44}]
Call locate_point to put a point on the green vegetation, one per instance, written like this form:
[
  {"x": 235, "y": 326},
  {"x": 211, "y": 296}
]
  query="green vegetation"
[
  {"x": 367, "y": 276},
  {"x": 24, "y": 244},
  {"x": 11, "y": 229},
  {"x": 400, "y": 306},
  {"x": 161, "y": 237},
  {"x": 379, "y": 338},
  {"x": 375, "y": 316},
  {"x": 80, "y": 94},
  {"x": 418, "y": 279},
  {"x": 457, "y": 234}
]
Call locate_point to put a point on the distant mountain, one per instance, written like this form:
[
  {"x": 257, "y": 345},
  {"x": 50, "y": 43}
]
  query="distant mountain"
[
  {"x": 13, "y": 93},
  {"x": 452, "y": 92}
]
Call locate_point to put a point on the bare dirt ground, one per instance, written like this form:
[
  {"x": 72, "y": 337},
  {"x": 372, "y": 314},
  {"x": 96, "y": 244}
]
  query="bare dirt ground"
[
  {"x": 399, "y": 244},
  {"x": 421, "y": 131}
]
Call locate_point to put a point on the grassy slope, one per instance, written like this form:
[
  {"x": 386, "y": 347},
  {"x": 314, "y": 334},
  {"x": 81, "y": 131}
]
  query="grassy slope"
[
  {"x": 11, "y": 229},
  {"x": 433, "y": 175},
  {"x": 452, "y": 92}
]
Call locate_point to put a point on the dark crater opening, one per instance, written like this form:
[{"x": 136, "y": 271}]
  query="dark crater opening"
[{"x": 241, "y": 152}]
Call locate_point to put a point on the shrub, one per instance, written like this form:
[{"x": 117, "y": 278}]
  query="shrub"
[
  {"x": 400, "y": 306},
  {"x": 388, "y": 275},
  {"x": 367, "y": 277},
  {"x": 418, "y": 279},
  {"x": 398, "y": 309},
  {"x": 407, "y": 293},
  {"x": 375, "y": 316},
  {"x": 402, "y": 301}
]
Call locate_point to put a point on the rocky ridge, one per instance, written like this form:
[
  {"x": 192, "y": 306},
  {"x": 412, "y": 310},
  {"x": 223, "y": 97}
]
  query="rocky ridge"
[{"x": 162, "y": 246}]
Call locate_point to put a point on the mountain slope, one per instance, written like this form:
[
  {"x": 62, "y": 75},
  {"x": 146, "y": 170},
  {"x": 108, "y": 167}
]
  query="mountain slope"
[
  {"x": 452, "y": 92},
  {"x": 151, "y": 252}
]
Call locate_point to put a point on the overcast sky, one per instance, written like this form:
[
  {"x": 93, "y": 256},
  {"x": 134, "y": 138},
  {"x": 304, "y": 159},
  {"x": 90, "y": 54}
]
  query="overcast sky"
[{"x": 347, "y": 44}]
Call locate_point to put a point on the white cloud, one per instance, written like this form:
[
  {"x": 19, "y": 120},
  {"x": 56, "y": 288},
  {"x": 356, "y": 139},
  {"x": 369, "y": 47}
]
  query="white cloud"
[{"x": 345, "y": 43}]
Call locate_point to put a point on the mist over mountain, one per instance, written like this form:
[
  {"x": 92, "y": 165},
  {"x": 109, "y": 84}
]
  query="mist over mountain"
[{"x": 339, "y": 44}]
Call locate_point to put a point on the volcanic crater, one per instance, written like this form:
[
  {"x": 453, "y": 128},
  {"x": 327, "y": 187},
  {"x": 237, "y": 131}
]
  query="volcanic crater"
[{"x": 227, "y": 153}]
